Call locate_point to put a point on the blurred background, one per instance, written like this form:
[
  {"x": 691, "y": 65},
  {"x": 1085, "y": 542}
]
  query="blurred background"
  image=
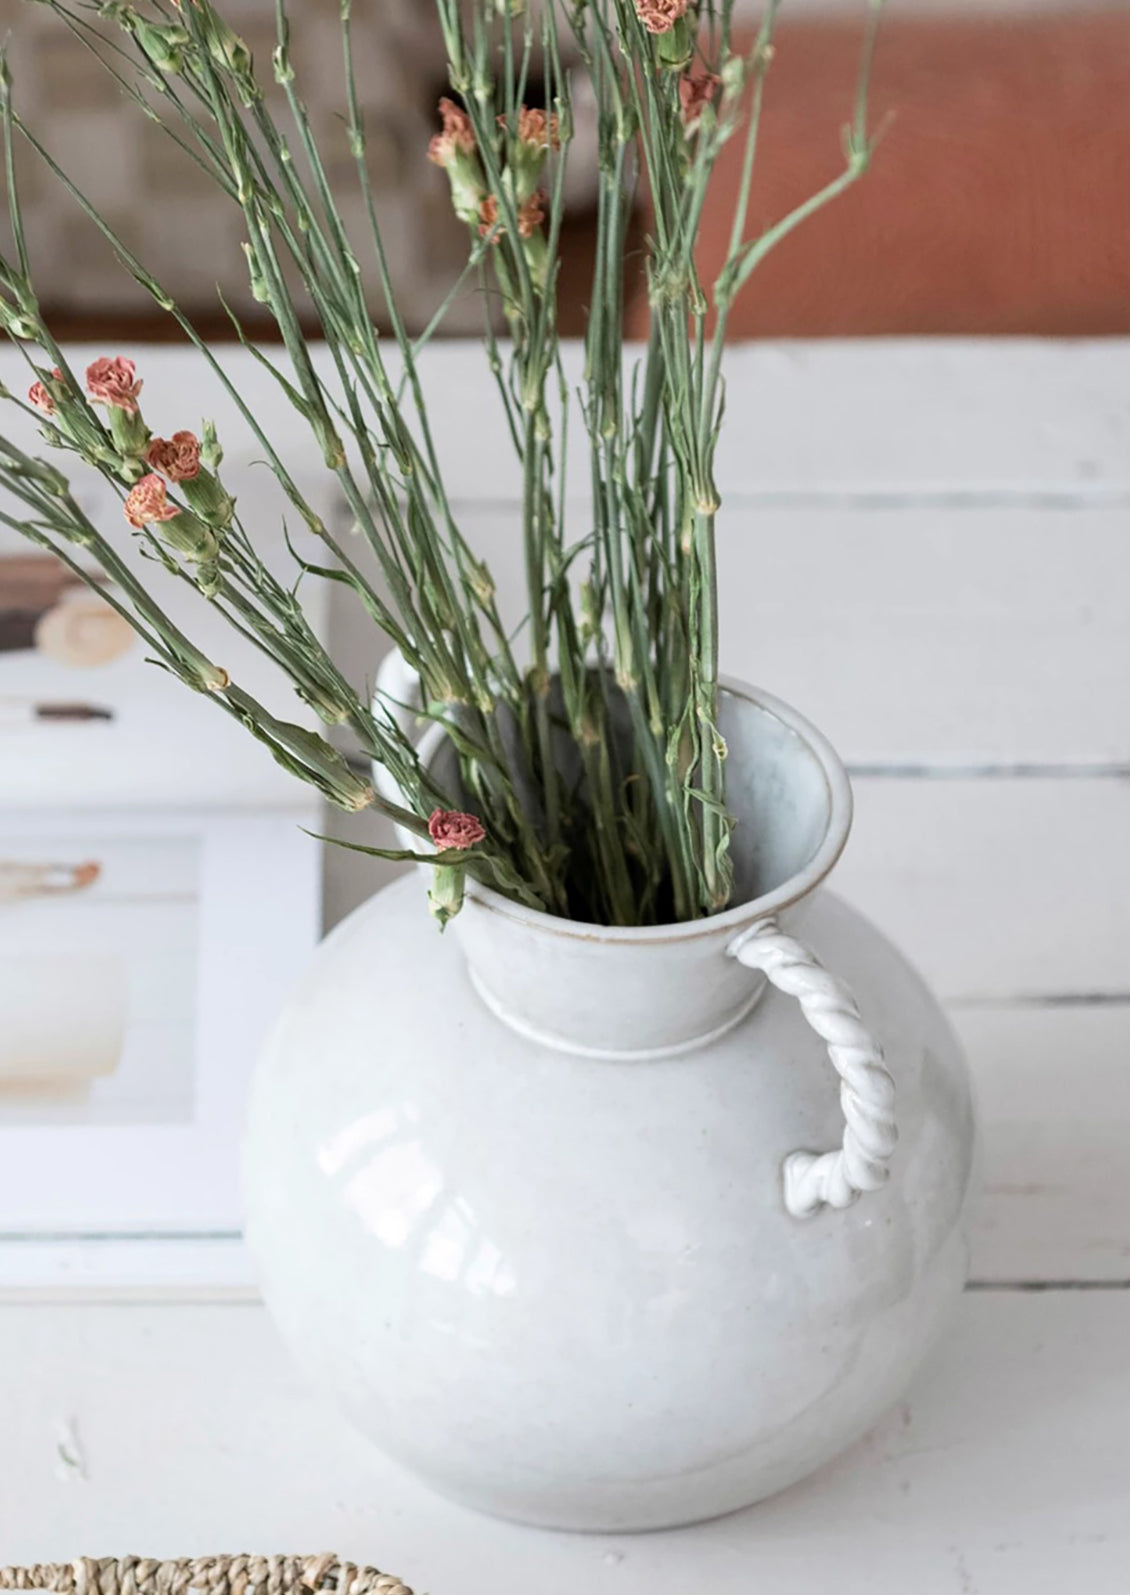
[{"x": 998, "y": 202}]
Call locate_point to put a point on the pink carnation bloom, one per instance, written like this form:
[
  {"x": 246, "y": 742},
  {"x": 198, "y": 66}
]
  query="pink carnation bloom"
[
  {"x": 147, "y": 502},
  {"x": 177, "y": 457},
  {"x": 114, "y": 382},
  {"x": 448, "y": 828},
  {"x": 38, "y": 395},
  {"x": 660, "y": 16},
  {"x": 457, "y": 135}
]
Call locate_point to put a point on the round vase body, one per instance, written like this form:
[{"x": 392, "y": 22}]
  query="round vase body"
[{"x": 515, "y": 1194}]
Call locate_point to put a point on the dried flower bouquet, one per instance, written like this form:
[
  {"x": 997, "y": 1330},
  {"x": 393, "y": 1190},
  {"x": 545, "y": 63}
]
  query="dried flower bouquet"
[{"x": 592, "y": 769}]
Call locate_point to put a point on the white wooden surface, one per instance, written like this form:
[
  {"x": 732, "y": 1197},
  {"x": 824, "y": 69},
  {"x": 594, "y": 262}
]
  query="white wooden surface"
[
  {"x": 1003, "y": 1473},
  {"x": 925, "y": 548}
]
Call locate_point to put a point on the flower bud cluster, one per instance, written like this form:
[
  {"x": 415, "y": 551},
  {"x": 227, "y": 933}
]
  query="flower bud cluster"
[
  {"x": 195, "y": 530},
  {"x": 529, "y": 137}
]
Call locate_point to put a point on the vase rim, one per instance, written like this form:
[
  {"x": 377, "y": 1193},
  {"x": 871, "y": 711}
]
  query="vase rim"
[{"x": 739, "y": 915}]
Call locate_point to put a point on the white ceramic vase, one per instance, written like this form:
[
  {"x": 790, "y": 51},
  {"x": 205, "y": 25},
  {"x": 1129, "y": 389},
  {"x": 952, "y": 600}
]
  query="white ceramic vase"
[{"x": 618, "y": 1229}]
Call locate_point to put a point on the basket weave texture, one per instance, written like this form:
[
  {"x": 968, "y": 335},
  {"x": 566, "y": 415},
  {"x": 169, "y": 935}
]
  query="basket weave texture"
[{"x": 208, "y": 1575}]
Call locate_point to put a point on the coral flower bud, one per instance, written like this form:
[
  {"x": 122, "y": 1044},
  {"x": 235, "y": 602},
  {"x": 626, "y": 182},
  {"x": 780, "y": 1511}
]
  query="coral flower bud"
[
  {"x": 488, "y": 216},
  {"x": 457, "y": 137},
  {"x": 531, "y": 216},
  {"x": 697, "y": 90},
  {"x": 536, "y": 128}
]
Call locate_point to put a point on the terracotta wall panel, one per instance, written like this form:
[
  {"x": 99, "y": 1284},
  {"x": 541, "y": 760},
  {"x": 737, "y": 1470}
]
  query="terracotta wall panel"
[{"x": 999, "y": 201}]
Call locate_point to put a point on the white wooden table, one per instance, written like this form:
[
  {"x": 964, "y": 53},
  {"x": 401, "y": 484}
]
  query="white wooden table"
[{"x": 926, "y": 549}]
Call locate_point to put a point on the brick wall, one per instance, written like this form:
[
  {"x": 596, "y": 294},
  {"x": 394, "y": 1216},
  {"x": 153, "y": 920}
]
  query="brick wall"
[{"x": 168, "y": 210}]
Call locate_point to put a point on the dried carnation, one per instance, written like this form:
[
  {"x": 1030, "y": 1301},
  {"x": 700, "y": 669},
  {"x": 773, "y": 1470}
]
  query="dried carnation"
[
  {"x": 660, "y": 16},
  {"x": 148, "y": 502},
  {"x": 458, "y": 135},
  {"x": 113, "y": 381},
  {"x": 177, "y": 457},
  {"x": 38, "y": 395},
  {"x": 697, "y": 90},
  {"x": 530, "y": 217},
  {"x": 488, "y": 215},
  {"x": 448, "y": 828},
  {"x": 536, "y": 128}
]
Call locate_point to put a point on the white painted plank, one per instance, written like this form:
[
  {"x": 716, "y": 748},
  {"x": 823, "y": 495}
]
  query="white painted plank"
[
  {"x": 1053, "y": 1091},
  {"x": 1020, "y": 416},
  {"x": 997, "y": 888},
  {"x": 910, "y": 635},
  {"x": 1006, "y": 1471},
  {"x": 937, "y": 637},
  {"x": 916, "y": 417},
  {"x": 934, "y": 636}
]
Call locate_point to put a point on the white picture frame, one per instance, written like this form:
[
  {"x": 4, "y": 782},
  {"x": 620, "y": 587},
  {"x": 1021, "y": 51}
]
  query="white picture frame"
[{"x": 132, "y": 1205}]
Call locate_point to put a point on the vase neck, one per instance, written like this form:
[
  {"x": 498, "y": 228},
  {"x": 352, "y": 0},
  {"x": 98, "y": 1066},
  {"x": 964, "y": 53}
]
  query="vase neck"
[{"x": 599, "y": 1044}]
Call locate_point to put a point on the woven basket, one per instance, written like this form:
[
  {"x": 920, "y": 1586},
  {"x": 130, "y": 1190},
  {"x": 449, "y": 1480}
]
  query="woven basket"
[{"x": 208, "y": 1575}]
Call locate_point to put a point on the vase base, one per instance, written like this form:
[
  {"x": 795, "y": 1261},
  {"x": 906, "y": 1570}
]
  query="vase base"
[{"x": 734, "y": 1484}]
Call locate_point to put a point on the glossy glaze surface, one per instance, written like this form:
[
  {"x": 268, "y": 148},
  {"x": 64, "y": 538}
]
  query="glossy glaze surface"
[{"x": 566, "y": 1289}]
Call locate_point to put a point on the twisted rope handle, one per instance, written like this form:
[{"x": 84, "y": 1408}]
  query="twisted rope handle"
[
  {"x": 210, "y": 1575},
  {"x": 867, "y": 1091}
]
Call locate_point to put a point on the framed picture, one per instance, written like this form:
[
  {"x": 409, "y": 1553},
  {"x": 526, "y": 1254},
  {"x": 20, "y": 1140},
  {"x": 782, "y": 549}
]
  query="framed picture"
[
  {"x": 142, "y": 957},
  {"x": 158, "y": 899}
]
